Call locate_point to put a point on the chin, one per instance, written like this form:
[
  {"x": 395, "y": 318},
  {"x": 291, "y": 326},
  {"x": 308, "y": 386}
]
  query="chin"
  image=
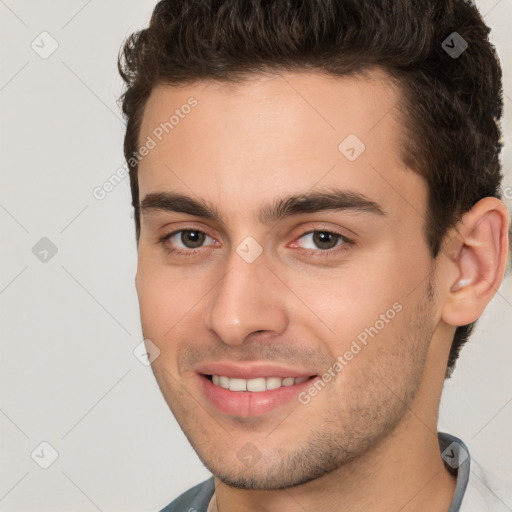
[{"x": 284, "y": 471}]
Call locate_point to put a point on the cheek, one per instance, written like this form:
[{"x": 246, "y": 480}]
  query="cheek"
[
  {"x": 167, "y": 301},
  {"x": 363, "y": 314},
  {"x": 343, "y": 303}
]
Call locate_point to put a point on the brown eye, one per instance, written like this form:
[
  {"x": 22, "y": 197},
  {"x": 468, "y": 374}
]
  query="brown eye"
[
  {"x": 325, "y": 239},
  {"x": 185, "y": 241},
  {"x": 192, "y": 239},
  {"x": 322, "y": 240}
]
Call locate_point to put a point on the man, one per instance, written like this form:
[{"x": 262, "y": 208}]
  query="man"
[{"x": 319, "y": 225}]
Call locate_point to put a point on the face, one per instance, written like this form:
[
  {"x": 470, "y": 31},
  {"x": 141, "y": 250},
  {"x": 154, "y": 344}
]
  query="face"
[{"x": 283, "y": 271}]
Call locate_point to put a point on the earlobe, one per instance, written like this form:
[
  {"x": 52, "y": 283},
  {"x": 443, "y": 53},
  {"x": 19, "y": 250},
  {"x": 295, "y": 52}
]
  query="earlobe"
[{"x": 477, "y": 260}]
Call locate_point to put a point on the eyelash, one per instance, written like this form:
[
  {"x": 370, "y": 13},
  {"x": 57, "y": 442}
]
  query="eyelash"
[{"x": 346, "y": 243}]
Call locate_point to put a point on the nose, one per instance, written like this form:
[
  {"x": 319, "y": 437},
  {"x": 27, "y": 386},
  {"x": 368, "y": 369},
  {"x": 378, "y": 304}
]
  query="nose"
[{"x": 247, "y": 299}]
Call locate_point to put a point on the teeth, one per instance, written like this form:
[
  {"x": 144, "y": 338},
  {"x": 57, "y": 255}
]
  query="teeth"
[
  {"x": 274, "y": 382},
  {"x": 237, "y": 385},
  {"x": 255, "y": 385}
]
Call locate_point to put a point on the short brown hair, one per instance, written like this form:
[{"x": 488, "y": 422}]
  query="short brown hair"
[{"x": 453, "y": 103}]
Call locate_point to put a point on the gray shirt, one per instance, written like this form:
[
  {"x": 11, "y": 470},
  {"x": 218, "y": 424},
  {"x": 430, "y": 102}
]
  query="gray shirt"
[{"x": 475, "y": 491}]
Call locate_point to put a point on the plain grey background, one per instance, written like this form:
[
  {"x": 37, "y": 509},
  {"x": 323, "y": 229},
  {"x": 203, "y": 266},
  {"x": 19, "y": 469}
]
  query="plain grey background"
[{"x": 69, "y": 311}]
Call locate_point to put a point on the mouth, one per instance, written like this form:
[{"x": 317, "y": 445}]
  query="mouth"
[{"x": 246, "y": 392}]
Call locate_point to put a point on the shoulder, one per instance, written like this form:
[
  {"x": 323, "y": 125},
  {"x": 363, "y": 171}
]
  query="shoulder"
[
  {"x": 486, "y": 491},
  {"x": 477, "y": 490},
  {"x": 195, "y": 499}
]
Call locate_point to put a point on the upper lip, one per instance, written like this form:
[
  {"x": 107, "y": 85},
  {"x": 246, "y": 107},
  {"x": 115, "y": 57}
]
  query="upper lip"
[{"x": 251, "y": 370}]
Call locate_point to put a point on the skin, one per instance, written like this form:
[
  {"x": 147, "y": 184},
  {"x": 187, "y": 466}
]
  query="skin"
[{"x": 368, "y": 440}]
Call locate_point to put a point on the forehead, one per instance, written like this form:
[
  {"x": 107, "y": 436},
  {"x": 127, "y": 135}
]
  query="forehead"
[
  {"x": 254, "y": 140},
  {"x": 265, "y": 104}
]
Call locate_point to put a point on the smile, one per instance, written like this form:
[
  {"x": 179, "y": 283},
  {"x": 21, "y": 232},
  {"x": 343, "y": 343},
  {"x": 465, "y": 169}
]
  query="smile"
[
  {"x": 254, "y": 396},
  {"x": 256, "y": 385}
]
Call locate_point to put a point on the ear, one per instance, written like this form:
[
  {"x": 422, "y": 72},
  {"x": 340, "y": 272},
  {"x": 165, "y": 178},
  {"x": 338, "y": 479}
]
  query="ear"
[{"x": 477, "y": 250}]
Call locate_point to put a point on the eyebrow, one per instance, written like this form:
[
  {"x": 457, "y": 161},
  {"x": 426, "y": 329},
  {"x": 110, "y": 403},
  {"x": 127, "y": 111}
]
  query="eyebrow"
[{"x": 310, "y": 202}]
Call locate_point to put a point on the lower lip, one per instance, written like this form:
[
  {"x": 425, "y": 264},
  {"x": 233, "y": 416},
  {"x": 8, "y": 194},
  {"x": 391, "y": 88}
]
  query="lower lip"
[{"x": 248, "y": 403}]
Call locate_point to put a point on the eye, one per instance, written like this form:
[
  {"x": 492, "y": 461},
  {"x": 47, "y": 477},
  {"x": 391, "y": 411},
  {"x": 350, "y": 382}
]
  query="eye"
[
  {"x": 184, "y": 241},
  {"x": 322, "y": 240},
  {"x": 188, "y": 242}
]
